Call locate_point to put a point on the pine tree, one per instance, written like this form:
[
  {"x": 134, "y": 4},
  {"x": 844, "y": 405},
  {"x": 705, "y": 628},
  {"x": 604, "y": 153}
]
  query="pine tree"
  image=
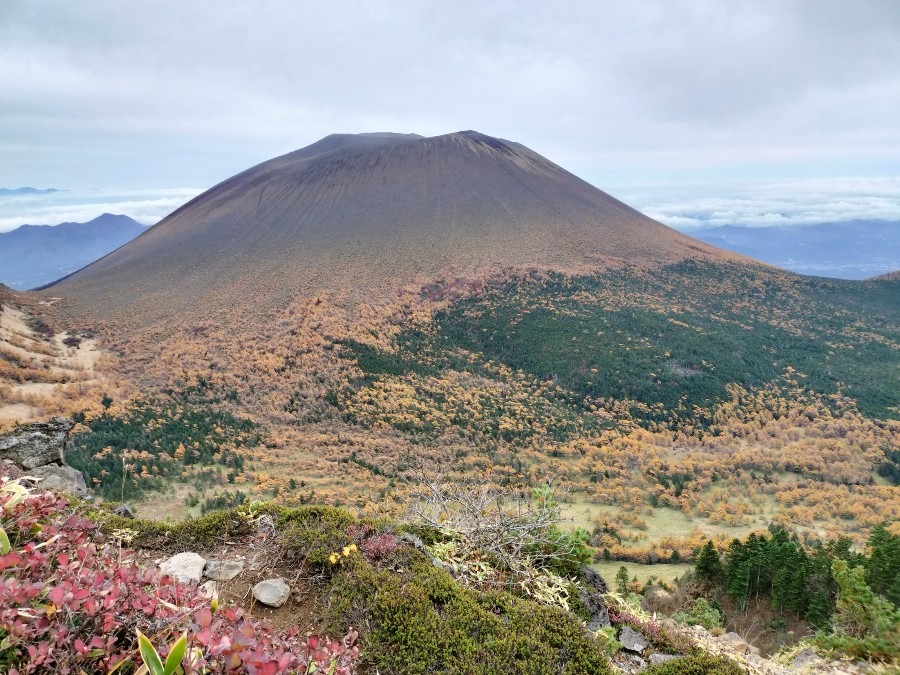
[
  {"x": 883, "y": 573},
  {"x": 709, "y": 566},
  {"x": 737, "y": 572},
  {"x": 622, "y": 580}
]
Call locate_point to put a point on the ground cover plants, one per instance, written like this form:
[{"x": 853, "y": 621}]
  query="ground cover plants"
[{"x": 72, "y": 600}]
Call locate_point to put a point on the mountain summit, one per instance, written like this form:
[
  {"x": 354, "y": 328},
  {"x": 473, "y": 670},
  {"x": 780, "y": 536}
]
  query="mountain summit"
[{"x": 362, "y": 211}]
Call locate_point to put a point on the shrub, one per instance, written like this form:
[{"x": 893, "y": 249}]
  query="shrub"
[
  {"x": 866, "y": 626},
  {"x": 661, "y": 637},
  {"x": 71, "y": 601},
  {"x": 701, "y": 613},
  {"x": 696, "y": 664},
  {"x": 422, "y": 621},
  {"x": 491, "y": 536}
]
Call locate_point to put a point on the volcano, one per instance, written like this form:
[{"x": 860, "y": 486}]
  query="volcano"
[{"x": 363, "y": 212}]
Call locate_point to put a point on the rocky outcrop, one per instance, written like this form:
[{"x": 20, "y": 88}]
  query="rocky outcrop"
[
  {"x": 591, "y": 596},
  {"x": 35, "y": 445},
  {"x": 60, "y": 479}
]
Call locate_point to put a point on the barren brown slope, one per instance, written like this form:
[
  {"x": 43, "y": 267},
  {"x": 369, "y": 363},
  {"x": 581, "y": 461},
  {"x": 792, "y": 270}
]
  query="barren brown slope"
[{"x": 364, "y": 212}]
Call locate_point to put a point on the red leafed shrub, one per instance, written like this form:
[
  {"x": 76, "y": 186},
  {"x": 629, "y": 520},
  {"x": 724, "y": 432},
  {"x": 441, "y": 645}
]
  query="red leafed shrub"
[
  {"x": 662, "y": 638},
  {"x": 70, "y": 602},
  {"x": 373, "y": 546}
]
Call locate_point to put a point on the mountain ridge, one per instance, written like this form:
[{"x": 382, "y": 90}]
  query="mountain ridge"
[{"x": 34, "y": 255}]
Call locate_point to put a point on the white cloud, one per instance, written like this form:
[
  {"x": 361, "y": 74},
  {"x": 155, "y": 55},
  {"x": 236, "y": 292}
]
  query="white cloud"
[
  {"x": 176, "y": 92},
  {"x": 768, "y": 203}
]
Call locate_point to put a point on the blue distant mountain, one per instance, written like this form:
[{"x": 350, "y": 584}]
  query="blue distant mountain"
[
  {"x": 35, "y": 255},
  {"x": 9, "y": 192},
  {"x": 852, "y": 250}
]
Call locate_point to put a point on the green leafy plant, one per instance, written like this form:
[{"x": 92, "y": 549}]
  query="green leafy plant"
[
  {"x": 153, "y": 663},
  {"x": 18, "y": 493}
]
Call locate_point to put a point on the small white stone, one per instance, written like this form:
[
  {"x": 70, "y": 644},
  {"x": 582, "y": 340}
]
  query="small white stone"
[
  {"x": 185, "y": 567},
  {"x": 210, "y": 589},
  {"x": 272, "y": 592}
]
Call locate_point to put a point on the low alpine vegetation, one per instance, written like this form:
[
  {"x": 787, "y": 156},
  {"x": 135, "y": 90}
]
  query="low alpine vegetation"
[{"x": 73, "y": 601}]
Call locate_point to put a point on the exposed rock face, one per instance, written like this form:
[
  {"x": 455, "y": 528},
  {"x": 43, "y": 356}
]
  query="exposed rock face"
[
  {"x": 593, "y": 579},
  {"x": 60, "y": 479},
  {"x": 591, "y": 596},
  {"x": 186, "y": 567},
  {"x": 37, "y": 444},
  {"x": 223, "y": 570},
  {"x": 272, "y": 592}
]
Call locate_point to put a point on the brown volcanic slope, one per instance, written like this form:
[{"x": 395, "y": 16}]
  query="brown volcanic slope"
[{"x": 363, "y": 212}]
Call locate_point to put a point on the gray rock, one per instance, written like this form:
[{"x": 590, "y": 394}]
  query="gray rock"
[
  {"x": 593, "y": 579},
  {"x": 223, "y": 570},
  {"x": 272, "y": 592},
  {"x": 34, "y": 445},
  {"x": 632, "y": 640},
  {"x": 662, "y": 658},
  {"x": 60, "y": 479},
  {"x": 185, "y": 567},
  {"x": 124, "y": 511}
]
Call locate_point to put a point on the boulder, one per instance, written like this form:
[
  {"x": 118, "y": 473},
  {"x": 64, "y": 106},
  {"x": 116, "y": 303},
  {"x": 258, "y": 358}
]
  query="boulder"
[
  {"x": 34, "y": 445},
  {"x": 632, "y": 640},
  {"x": 186, "y": 567},
  {"x": 223, "y": 570},
  {"x": 272, "y": 592},
  {"x": 60, "y": 479}
]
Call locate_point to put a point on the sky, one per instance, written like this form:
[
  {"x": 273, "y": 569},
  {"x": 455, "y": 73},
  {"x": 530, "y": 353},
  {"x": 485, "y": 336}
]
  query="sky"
[{"x": 695, "y": 111}]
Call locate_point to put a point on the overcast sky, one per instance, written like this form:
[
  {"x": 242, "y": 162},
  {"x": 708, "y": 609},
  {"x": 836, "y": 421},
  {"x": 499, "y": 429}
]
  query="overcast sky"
[{"x": 635, "y": 97}]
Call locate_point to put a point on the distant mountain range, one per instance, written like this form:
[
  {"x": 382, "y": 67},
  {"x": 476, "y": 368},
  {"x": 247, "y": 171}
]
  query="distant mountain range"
[
  {"x": 851, "y": 250},
  {"x": 35, "y": 255},
  {"x": 10, "y": 192}
]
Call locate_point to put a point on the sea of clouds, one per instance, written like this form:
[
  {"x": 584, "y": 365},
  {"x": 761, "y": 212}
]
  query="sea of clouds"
[
  {"x": 684, "y": 206},
  {"x": 767, "y": 203},
  {"x": 78, "y": 206}
]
